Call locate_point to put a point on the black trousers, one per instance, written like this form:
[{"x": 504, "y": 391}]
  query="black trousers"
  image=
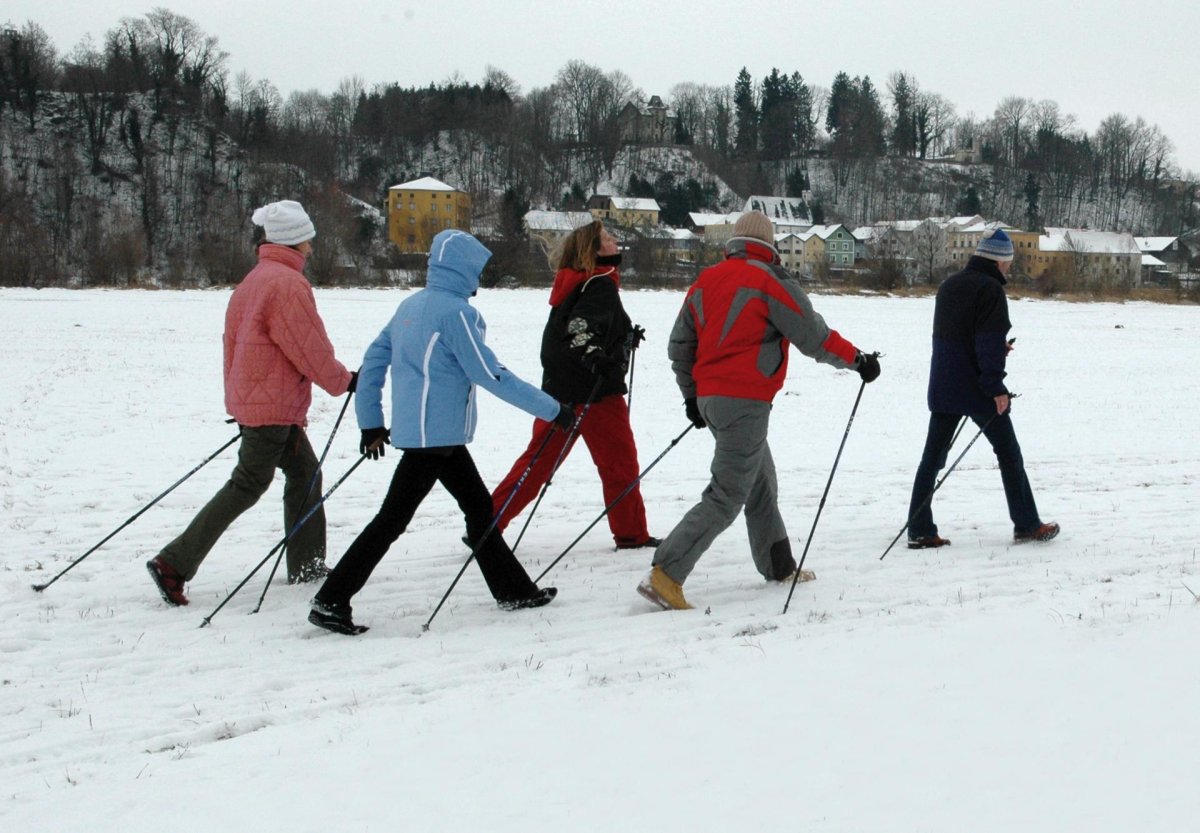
[{"x": 415, "y": 475}]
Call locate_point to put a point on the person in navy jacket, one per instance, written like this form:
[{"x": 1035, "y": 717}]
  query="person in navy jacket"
[
  {"x": 434, "y": 347},
  {"x": 966, "y": 379}
]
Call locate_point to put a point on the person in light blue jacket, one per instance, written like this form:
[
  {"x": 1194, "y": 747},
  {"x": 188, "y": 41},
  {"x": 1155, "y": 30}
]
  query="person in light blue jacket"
[{"x": 434, "y": 347}]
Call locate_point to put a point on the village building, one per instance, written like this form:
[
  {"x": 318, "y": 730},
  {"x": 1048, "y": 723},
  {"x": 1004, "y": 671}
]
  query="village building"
[
  {"x": 419, "y": 209},
  {"x": 649, "y": 124},
  {"x": 547, "y": 229},
  {"x": 625, "y": 211}
]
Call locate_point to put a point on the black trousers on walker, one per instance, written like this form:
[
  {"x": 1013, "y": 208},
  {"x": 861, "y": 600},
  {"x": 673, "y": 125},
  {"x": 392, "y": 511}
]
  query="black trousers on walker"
[{"x": 415, "y": 475}]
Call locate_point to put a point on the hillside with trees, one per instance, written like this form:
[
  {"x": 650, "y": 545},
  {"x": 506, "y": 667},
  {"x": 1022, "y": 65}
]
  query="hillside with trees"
[{"x": 138, "y": 159}]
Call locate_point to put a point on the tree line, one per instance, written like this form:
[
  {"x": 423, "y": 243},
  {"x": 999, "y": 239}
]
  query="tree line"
[{"x": 172, "y": 150}]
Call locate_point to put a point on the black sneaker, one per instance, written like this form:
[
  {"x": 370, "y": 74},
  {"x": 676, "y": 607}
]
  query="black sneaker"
[
  {"x": 168, "y": 581},
  {"x": 540, "y": 597},
  {"x": 630, "y": 544},
  {"x": 334, "y": 617}
]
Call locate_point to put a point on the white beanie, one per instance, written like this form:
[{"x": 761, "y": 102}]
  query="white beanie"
[{"x": 284, "y": 222}]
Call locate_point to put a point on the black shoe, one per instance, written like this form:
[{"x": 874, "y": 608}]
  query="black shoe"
[
  {"x": 310, "y": 572},
  {"x": 630, "y": 544},
  {"x": 334, "y": 617},
  {"x": 540, "y": 597}
]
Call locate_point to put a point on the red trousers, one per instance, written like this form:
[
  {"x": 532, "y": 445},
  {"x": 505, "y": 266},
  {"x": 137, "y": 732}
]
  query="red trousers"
[{"x": 609, "y": 439}]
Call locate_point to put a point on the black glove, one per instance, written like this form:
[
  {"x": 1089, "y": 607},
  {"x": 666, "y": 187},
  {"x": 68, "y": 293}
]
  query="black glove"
[
  {"x": 693, "y": 412},
  {"x": 353, "y": 382},
  {"x": 602, "y": 364},
  {"x": 867, "y": 365},
  {"x": 565, "y": 420},
  {"x": 636, "y": 336},
  {"x": 373, "y": 442}
]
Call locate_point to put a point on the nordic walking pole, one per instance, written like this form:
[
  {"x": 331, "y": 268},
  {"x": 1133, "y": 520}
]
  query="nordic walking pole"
[
  {"x": 613, "y": 503},
  {"x": 825, "y": 494},
  {"x": 307, "y": 494},
  {"x": 303, "y": 520},
  {"x": 202, "y": 464},
  {"x": 575, "y": 426},
  {"x": 938, "y": 485},
  {"x": 491, "y": 527}
]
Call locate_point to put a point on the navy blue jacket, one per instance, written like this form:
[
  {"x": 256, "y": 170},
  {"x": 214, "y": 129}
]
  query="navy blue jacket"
[{"x": 970, "y": 322}]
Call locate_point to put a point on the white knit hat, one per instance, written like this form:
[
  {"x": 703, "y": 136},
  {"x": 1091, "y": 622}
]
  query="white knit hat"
[{"x": 284, "y": 222}]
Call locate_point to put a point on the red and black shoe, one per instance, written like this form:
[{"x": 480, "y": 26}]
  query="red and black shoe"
[
  {"x": 168, "y": 580},
  {"x": 1043, "y": 533},
  {"x": 928, "y": 542}
]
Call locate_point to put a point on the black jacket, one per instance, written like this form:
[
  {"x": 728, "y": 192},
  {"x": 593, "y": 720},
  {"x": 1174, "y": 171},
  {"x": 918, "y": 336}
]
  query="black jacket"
[{"x": 588, "y": 330}]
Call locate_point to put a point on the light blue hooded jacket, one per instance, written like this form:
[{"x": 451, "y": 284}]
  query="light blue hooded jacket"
[{"x": 435, "y": 347}]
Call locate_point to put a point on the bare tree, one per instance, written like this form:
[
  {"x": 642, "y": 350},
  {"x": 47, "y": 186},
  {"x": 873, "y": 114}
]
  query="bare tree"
[
  {"x": 1010, "y": 119},
  {"x": 28, "y": 67}
]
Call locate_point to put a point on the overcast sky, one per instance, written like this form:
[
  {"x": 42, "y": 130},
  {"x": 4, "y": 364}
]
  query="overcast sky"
[{"x": 1094, "y": 57}]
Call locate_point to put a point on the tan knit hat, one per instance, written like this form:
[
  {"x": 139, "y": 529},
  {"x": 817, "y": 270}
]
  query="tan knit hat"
[{"x": 757, "y": 225}]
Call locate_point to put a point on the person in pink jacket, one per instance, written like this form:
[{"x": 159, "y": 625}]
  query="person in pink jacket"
[{"x": 275, "y": 348}]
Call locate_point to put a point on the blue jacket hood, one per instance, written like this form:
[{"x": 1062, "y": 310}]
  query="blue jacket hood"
[{"x": 456, "y": 259}]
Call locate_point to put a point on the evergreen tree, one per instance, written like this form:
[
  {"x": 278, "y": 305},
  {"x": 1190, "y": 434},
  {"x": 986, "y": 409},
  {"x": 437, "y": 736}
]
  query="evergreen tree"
[
  {"x": 904, "y": 132},
  {"x": 1033, "y": 220},
  {"x": 777, "y": 105},
  {"x": 745, "y": 116}
]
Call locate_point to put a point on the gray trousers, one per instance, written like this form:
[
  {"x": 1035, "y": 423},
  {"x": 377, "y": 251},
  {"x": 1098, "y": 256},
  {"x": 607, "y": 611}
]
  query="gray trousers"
[
  {"x": 743, "y": 475},
  {"x": 262, "y": 451}
]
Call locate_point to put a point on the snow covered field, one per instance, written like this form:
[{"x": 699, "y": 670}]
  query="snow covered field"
[{"x": 982, "y": 687}]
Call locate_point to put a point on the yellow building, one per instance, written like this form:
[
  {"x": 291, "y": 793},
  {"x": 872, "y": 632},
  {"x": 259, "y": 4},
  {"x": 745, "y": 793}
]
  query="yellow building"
[
  {"x": 1030, "y": 260},
  {"x": 418, "y": 210}
]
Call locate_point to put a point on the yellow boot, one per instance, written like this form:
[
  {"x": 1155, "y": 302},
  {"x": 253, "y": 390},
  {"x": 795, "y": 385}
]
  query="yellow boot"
[{"x": 662, "y": 590}]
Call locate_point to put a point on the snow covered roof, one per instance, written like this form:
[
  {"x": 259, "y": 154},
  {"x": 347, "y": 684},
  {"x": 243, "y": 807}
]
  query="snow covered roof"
[
  {"x": 903, "y": 225},
  {"x": 634, "y": 204},
  {"x": 825, "y": 231},
  {"x": 790, "y": 210},
  {"x": 963, "y": 222},
  {"x": 1085, "y": 241},
  {"x": 564, "y": 221},
  {"x": 425, "y": 183},
  {"x": 1154, "y": 244},
  {"x": 1151, "y": 260},
  {"x": 864, "y": 233},
  {"x": 700, "y": 219}
]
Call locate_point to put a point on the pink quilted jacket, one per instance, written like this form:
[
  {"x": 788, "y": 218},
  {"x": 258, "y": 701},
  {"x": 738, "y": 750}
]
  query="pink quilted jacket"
[{"x": 275, "y": 344}]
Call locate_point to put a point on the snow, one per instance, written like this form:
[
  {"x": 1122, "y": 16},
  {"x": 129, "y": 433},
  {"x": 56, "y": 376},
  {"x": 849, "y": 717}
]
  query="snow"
[
  {"x": 982, "y": 687},
  {"x": 425, "y": 183}
]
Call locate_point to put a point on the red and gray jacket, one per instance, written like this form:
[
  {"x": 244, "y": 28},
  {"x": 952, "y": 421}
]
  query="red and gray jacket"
[{"x": 732, "y": 334}]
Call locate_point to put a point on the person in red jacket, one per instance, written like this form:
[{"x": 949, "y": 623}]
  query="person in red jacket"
[
  {"x": 729, "y": 351},
  {"x": 275, "y": 348},
  {"x": 586, "y": 348}
]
